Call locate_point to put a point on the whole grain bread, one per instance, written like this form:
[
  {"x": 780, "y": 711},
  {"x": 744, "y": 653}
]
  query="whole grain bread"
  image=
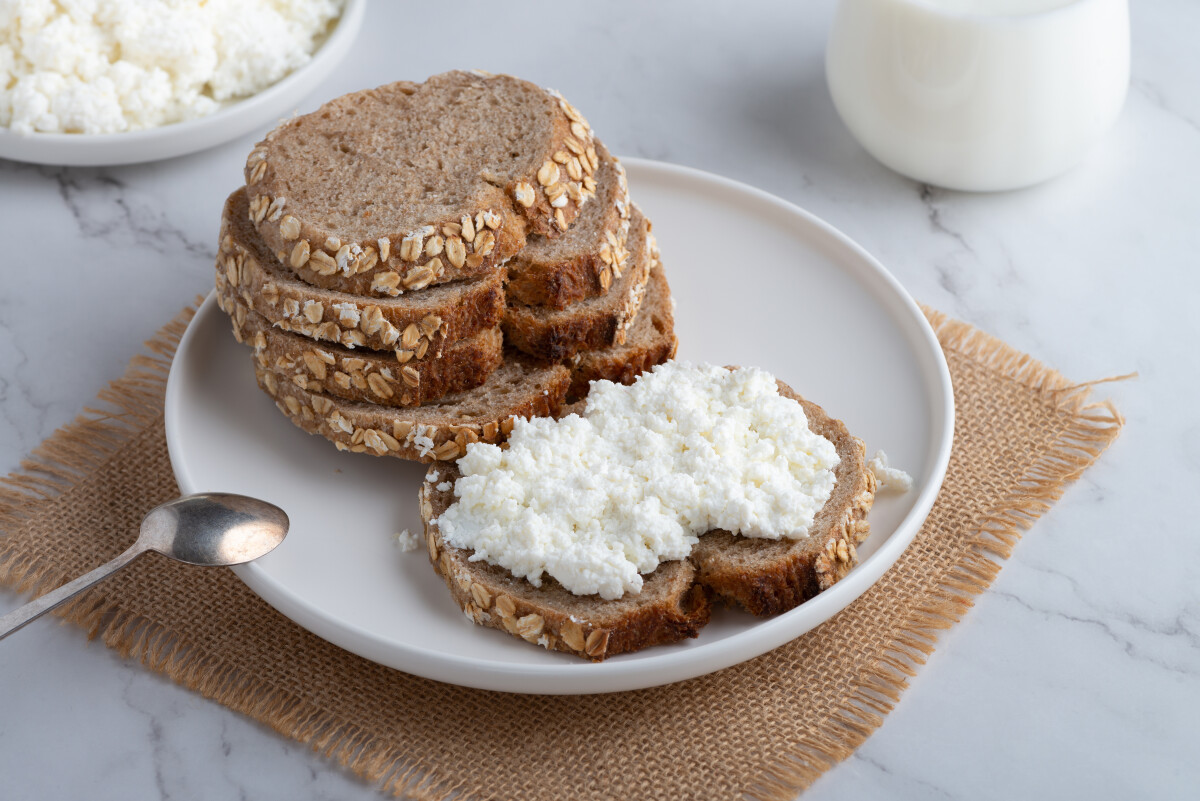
[
  {"x": 428, "y": 318},
  {"x": 366, "y": 375},
  {"x": 651, "y": 340},
  {"x": 764, "y": 576},
  {"x": 583, "y": 262},
  {"x": 599, "y": 322},
  {"x": 671, "y": 606},
  {"x": 408, "y": 185},
  {"x": 438, "y": 430}
]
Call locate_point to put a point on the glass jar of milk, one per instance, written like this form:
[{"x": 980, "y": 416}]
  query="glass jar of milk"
[{"x": 979, "y": 94}]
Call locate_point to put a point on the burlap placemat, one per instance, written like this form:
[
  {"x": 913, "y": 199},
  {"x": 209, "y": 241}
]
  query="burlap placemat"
[{"x": 762, "y": 730}]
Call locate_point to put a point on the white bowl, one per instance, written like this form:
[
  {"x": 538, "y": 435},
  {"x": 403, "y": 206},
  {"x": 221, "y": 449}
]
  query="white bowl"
[{"x": 180, "y": 138}]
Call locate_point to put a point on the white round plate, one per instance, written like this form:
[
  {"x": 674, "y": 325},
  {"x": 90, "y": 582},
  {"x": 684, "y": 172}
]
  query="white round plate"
[
  {"x": 177, "y": 139},
  {"x": 757, "y": 282}
]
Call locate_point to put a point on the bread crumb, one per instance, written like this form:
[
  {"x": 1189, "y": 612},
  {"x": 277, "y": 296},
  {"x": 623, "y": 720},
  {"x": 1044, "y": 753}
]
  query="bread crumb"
[
  {"x": 407, "y": 541},
  {"x": 419, "y": 437},
  {"x": 890, "y": 479},
  {"x": 445, "y": 486}
]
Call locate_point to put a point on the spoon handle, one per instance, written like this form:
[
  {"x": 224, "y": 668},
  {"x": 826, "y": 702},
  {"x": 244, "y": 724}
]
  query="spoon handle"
[{"x": 40, "y": 606}]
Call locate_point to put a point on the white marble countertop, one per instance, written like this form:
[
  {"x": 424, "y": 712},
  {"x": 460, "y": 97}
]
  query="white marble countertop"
[{"x": 1076, "y": 675}]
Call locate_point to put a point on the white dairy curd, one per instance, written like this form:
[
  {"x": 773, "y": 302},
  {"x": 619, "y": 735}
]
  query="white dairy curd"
[
  {"x": 106, "y": 66},
  {"x": 890, "y": 479},
  {"x": 596, "y": 501},
  {"x": 407, "y": 541}
]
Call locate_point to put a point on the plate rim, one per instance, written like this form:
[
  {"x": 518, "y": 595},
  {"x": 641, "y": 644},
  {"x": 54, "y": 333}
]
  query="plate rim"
[
  {"x": 669, "y": 666},
  {"x": 189, "y": 136}
]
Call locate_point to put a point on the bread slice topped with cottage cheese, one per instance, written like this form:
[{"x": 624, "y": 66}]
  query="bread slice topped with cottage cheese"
[
  {"x": 671, "y": 606},
  {"x": 611, "y": 532},
  {"x": 408, "y": 185}
]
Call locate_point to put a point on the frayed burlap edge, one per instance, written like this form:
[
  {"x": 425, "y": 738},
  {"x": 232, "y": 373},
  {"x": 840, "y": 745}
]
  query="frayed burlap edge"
[
  {"x": 1091, "y": 429},
  {"x": 131, "y": 403},
  {"x": 134, "y": 401},
  {"x": 127, "y": 406}
]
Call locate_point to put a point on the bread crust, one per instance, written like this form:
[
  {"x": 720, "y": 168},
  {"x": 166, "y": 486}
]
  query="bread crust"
[
  {"x": 671, "y": 606},
  {"x": 765, "y": 577},
  {"x": 437, "y": 430},
  {"x": 544, "y": 275},
  {"x": 651, "y": 341},
  {"x": 365, "y": 375},
  {"x": 544, "y": 201},
  {"x": 555, "y": 335},
  {"x": 246, "y": 269}
]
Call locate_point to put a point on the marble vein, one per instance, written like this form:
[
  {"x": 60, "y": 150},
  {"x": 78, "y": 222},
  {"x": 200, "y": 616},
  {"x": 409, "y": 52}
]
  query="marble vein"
[
  {"x": 1081, "y": 650},
  {"x": 1176, "y": 631},
  {"x": 1159, "y": 100},
  {"x": 893, "y": 775},
  {"x": 930, "y": 197},
  {"x": 105, "y": 208}
]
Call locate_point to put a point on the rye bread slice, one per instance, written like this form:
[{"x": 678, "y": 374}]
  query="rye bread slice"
[
  {"x": 670, "y": 607},
  {"x": 583, "y": 262},
  {"x": 651, "y": 340},
  {"x": 600, "y": 322},
  {"x": 438, "y": 430},
  {"x": 408, "y": 184},
  {"x": 764, "y": 576},
  {"x": 365, "y": 375},
  {"x": 436, "y": 315}
]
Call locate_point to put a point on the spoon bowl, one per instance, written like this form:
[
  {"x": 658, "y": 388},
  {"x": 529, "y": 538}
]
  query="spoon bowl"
[{"x": 214, "y": 529}]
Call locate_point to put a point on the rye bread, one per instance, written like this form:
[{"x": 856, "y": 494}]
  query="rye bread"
[
  {"x": 670, "y": 607},
  {"x": 765, "y": 577},
  {"x": 600, "y": 322},
  {"x": 415, "y": 184},
  {"x": 451, "y": 311},
  {"x": 437, "y": 430},
  {"x": 583, "y": 262},
  {"x": 365, "y": 375},
  {"x": 651, "y": 340}
]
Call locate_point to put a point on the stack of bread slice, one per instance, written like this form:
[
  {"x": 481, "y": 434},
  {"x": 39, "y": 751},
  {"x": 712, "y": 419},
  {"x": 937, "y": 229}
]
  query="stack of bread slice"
[{"x": 417, "y": 266}]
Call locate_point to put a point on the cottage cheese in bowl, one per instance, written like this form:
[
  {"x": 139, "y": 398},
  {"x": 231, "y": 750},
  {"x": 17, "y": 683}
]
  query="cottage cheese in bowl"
[{"x": 108, "y": 66}]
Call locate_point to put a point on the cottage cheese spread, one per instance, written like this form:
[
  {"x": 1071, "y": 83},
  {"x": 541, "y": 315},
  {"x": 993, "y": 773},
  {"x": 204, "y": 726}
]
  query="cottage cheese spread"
[
  {"x": 105, "y": 66},
  {"x": 596, "y": 501}
]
